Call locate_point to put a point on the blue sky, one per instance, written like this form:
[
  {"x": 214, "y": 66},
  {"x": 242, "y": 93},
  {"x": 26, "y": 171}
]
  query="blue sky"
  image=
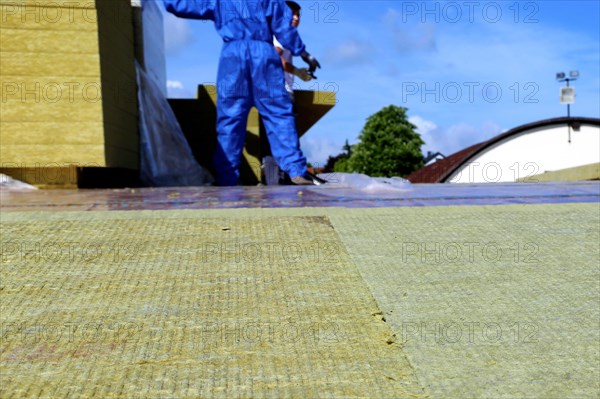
[{"x": 466, "y": 70}]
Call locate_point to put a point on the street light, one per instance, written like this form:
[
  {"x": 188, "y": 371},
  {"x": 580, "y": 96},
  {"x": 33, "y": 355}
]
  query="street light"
[{"x": 567, "y": 94}]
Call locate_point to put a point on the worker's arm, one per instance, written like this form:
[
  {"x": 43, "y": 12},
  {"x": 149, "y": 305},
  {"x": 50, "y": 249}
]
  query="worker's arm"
[
  {"x": 194, "y": 9},
  {"x": 280, "y": 17},
  {"x": 287, "y": 66}
]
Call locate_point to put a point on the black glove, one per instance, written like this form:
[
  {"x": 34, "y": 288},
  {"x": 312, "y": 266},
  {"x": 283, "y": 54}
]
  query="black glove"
[{"x": 311, "y": 61}]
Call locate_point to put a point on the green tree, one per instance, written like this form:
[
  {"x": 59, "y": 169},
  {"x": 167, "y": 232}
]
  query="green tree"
[
  {"x": 339, "y": 163},
  {"x": 388, "y": 145}
]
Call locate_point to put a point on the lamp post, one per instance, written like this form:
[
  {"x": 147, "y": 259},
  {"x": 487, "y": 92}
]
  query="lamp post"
[{"x": 567, "y": 94}]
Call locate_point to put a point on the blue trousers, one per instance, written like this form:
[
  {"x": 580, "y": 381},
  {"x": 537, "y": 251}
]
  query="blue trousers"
[{"x": 250, "y": 74}]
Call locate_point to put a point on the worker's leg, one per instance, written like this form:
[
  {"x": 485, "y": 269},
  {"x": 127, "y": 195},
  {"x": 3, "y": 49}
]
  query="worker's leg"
[
  {"x": 283, "y": 137},
  {"x": 233, "y": 104},
  {"x": 232, "y": 118},
  {"x": 275, "y": 107}
]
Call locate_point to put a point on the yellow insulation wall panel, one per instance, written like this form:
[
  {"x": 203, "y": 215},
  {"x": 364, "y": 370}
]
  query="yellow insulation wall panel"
[
  {"x": 50, "y": 132},
  {"x": 52, "y": 3},
  {"x": 42, "y": 114},
  {"x": 48, "y": 41},
  {"x": 67, "y": 83},
  {"x": 42, "y": 155},
  {"x": 49, "y": 16},
  {"x": 43, "y": 64}
]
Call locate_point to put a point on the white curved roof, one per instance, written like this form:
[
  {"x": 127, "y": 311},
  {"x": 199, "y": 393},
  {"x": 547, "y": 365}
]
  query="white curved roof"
[{"x": 532, "y": 149}]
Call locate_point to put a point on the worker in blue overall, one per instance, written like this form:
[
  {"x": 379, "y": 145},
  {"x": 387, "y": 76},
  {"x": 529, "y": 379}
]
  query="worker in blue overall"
[{"x": 250, "y": 74}]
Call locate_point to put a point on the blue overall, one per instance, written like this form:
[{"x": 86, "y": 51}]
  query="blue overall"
[{"x": 250, "y": 74}]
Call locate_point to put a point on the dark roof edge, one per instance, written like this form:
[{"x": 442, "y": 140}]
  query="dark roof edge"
[{"x": 480, "y": 147}]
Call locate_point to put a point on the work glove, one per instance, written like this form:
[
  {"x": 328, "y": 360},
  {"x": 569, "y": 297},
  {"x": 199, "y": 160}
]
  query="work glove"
[
  {"x": 311, "y": 61},
  {"x": 303, "y": 74}
]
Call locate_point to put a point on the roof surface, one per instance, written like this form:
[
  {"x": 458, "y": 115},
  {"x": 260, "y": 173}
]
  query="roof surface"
[{"x": 404, "y": 302}]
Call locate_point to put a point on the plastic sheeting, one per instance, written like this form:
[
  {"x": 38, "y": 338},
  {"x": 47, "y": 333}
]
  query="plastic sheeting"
[
  {"x": 422, "y": 195},
  {"x": 166, "y": 158},
  {"x": 365, "y": 183},
  {"x": 9, "y": 182},
  {"x": 150, "y": 40}
]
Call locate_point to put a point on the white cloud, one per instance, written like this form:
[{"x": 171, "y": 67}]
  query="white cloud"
[
  {"x": 178, "y": 34},
  {"x": 352, "y": 51},
  {"x": 423, "y": 125},
  {"x": 424, "y": 128},
  {"x": 176, "y": 89},
  {"x": 174, "y": 84},
  {"x": 318, "y": 150},
  {"x": 449, "y": 140}
]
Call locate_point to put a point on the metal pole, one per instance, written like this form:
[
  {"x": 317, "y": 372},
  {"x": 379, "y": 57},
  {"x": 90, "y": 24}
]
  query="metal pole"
[
  {"x": 568, "y": 105},
  {"x": 569, "y": 115}
]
